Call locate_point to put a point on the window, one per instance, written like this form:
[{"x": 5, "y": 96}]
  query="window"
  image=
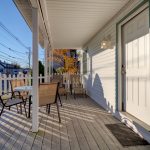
[{"x": 85, "y": 62}]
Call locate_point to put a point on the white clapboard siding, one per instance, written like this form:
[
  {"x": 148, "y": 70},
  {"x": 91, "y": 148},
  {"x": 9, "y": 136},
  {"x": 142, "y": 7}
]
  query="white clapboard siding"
[{"x": 100, "y": 77}]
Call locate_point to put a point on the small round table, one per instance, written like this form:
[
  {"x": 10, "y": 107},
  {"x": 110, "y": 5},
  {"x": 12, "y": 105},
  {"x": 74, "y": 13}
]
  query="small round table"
[{"x": 25, "y": 89}]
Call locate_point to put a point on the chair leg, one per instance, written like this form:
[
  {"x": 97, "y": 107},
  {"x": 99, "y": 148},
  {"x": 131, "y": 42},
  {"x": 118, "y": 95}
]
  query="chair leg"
[
  {"x": 2, "y": 111},
  {"x": 74, "y": 95},
  {"x": 20, "y": 108},
  {"x": 85, "y": 95},
  {"x": 60, "y": 100},
  {"x": 9, "y": 108},
  {"x": 17, "y": 109},
  {"x": 24, "y": 104},
  {"x": 46, "y": 108},
  {"x": 49, "y": 108},
  {"x": 58, "y": 112}
]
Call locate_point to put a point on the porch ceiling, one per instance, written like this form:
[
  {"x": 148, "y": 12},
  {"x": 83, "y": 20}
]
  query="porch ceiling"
[{"x": 74, "y": 22}]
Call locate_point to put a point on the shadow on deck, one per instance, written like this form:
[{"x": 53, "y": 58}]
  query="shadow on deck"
[{"x": 82, "y": 128}]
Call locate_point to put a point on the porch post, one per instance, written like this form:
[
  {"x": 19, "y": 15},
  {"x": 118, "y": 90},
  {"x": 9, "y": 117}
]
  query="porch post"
[
  {"x": 49, "y": 62},
  {"x": 52, "y": 62},
  {"x": 35, "y": 68},
  {"x": 46, "y": 60}
]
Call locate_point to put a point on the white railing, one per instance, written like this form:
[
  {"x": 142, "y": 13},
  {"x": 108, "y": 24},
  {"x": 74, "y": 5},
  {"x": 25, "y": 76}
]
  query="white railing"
[
  {"x": 6, "y": 87},
  {"x": 5, "y": 81}
]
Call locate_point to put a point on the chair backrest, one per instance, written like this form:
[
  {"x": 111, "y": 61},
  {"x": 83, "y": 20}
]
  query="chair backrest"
[
  {"x": 16, "y": 83},
  {"x": 76, "y": 81},
  {"x": 58, "y": 78},
  {"x": 48, "y": 93}
]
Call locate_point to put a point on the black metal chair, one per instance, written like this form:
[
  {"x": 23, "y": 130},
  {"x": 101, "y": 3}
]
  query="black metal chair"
[{"x": 7, "y": 100}]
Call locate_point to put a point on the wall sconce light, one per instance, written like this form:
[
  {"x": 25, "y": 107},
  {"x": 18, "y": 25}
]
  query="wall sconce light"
[{"x": 106, "y": 43}]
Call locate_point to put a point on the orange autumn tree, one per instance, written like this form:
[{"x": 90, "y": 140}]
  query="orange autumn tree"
[{"x": 68, "y": 63}]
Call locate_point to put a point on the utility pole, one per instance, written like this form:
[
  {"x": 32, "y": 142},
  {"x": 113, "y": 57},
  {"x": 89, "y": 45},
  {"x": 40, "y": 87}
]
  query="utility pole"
[{"x": 29, "y": 57}]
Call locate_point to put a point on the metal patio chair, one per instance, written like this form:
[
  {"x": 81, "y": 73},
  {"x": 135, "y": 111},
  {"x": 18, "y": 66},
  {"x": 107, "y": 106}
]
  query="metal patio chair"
[
  {"x": 76, "y": 86},
  {"x": 17, "y": 83},
  {"x": 8, "y": 100},
  {"x": 48, "y": 95},
  {"x": 17, "y": 94}
]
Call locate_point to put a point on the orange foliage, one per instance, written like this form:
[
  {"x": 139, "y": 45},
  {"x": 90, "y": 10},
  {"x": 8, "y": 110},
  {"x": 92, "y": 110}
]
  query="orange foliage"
[{"x": 60, "y": 56}]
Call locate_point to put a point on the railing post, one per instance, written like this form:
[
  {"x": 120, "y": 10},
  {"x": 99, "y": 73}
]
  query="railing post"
[
  {"x": 41, "y": 79},
  {"x": 5, "y": 84},
  {"x": 9, "y": 86},
  {"x": 26, "y": 79},
  {"x": 46, "y": 60},
  {"x": 29, "y": 77}
]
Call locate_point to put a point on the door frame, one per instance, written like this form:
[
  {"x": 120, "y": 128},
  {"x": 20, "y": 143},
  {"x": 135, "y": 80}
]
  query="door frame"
[{"x": 119, "y": 78}]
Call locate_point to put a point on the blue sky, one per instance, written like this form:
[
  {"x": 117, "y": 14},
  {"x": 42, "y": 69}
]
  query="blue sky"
[{"x": 14, "y": 22}]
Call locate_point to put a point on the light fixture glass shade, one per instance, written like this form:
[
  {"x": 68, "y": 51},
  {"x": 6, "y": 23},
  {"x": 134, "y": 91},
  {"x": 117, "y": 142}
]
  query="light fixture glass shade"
[{"x": 106, "y": 43}]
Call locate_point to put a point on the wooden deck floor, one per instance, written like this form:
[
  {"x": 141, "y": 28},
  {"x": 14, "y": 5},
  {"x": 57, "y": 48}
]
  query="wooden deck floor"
[{"x": 82, "y": 128}]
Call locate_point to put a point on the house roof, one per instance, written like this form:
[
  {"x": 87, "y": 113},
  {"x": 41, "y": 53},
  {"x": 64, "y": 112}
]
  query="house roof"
[{"x": 6, "y": 65}]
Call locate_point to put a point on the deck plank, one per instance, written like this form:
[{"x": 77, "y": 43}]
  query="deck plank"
[
  {"x": 78, "y": 130},
  {"x": 74, "y": 144},
  {"x": 82, "y": 128},
  {"x": 88, "y": 134},
  {"x": 15, "y": 128},
  {"x": 48, "y": 133},
  {"x": 55, "y": 130},
  {"x": 19, "y": 126},
  {"x": 64, "y": 140},
  {"x": 37, "y": 144},
  {"x": 97, "y": 137}
]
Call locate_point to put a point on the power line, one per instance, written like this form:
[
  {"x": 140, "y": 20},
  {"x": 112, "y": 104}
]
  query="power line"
[
  {"x": 8, "y": 59},
  {"x": 3, "y": 57},
  {"x": 13, "y": 36},
  {"x": 11, "y": 49},
  {"x": 11, "y": 56}
]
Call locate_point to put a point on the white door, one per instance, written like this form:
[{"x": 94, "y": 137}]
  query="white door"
[{"x": 136, "y": 59}]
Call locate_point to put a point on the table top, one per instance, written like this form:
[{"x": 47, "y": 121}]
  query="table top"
[{"x": 23, "y": 88}]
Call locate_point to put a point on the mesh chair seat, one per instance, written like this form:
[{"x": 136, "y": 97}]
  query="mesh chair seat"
[
  {"x": 62, "y": 91},
  {"x": 13, "y": 101},
  {"x": 79, "y": 90}
]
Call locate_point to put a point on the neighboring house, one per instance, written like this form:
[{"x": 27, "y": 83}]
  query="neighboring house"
[{"x": 6, "y": 68}]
